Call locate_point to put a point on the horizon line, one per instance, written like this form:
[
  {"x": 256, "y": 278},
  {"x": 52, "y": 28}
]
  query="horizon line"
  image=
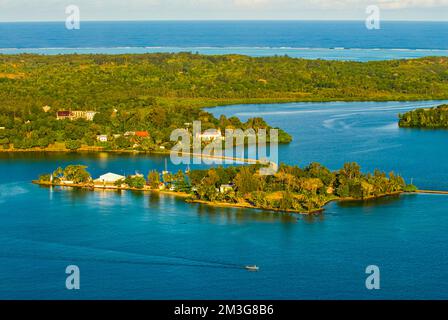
[{"x": 223, "y": 20}]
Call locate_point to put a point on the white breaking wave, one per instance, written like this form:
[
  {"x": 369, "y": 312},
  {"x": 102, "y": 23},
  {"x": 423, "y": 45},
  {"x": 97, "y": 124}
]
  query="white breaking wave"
[{"x": 228, "y": 47}]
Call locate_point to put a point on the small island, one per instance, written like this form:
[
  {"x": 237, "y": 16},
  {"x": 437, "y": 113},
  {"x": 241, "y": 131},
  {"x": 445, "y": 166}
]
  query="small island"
[
  {"x": 292, "y": 189},
  {"x": 436, "y": 117}
]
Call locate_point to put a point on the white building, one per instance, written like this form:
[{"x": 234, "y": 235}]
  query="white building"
[
  {"x": 211, "y": 134},
  {"x": 109, "y": 178},
  {"x": 90, "y": 115},
  {"x": 225, "y": 188},
  {"x": 74, "y": 115},
  {"x": 102, "y": 138}
]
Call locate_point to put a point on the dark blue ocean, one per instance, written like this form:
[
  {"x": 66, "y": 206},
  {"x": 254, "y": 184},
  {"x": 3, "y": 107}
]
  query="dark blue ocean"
[{"x": 305, "y": 39}]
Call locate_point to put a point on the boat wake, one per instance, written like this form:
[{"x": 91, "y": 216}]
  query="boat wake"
[
  {"x": 118, "y": 261},
  {"x": 91, "y": 254},
  {"x": 9, "y": 190}
]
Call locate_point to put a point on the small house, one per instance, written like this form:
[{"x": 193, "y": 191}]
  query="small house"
[
  {"x": 102, "y": 138},
  {"x": 211, "y": 134},
  {"x": 74, "y": 115},
  {"x": 225, "y": 188}
]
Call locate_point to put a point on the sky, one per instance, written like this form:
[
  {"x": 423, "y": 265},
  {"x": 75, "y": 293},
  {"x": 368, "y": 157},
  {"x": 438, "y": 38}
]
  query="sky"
[{"x": 54, "y": 10}]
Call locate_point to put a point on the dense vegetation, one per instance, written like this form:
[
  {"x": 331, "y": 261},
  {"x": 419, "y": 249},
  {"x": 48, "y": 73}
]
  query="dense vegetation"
[
  {"x": 425, "y": 118},
  {"x": 159, "y": 92},
  {"x": 291, "y": 189},
  {"x": 39, "y": 129}
]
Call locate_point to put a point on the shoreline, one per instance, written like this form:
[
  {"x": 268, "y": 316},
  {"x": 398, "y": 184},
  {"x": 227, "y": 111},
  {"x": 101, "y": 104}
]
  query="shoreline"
[
  {"x": 218, "y": 204},
  {"x": 109, "y": 188},
  {"x": 216, "y": 104},
  {"x": 317, "y": 211},
  {"x": 52, "y": 150},
  {"x": 137, "y": 152},
  {"x": 249, "y": 206}
]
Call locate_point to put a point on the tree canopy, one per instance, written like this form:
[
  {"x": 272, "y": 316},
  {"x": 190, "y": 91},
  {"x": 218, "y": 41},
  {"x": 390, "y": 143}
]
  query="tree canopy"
[{"x": 425, "y": 118}]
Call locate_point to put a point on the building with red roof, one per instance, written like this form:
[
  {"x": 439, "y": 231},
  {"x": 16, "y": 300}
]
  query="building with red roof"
[{"x": 142, "y": 134}]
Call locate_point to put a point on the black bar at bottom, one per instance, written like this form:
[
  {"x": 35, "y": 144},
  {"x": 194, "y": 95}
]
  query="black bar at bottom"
[{"x": 247, "y": 309}]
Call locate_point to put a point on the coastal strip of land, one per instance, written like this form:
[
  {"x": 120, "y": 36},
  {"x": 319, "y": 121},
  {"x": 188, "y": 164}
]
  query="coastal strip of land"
[
  {"x": 432, "y": 192},
  {"x": 189, "y": 199},
  {"x": 109, "y": 188},
  {"x": 290, "y": 189}
]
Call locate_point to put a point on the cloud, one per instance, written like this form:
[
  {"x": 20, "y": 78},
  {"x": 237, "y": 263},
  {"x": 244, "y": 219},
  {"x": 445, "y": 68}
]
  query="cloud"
[
  {"x": 384, "y": 4},
  {"x": 251, "y": 3},
  {"x": 402, "y": 4},
  {"x": 33, "y": 10}
]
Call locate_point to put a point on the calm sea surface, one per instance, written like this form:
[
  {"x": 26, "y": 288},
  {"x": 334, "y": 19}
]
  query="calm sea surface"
[
  {"x": 305, "y": 39},
  {"x": 136, "y": 246}
]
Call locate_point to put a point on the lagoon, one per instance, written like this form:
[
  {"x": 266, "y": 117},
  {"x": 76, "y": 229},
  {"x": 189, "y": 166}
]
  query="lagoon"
[{"x": 135, "y": 246}]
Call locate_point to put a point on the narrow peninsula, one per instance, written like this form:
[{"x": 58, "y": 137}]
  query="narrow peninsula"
[{"x": 292, "y": 189}]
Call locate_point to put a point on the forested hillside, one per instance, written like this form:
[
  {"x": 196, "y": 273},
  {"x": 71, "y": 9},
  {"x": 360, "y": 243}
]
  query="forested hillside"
[
  {"x": 127, "y": 81},
  {"x": 160, "y": 92}
]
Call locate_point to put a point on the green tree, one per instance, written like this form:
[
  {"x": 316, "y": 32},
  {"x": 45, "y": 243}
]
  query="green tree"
[
  {"x": 136, "y": 181},
  {"x": 154, "y": 179},
  {"x": 45, "y": 177},
  {"x": 246, "y": 181},
  {"x": 73, "y": 144},
  {"x": 102, "y": 118},
  {"x": 77, "y": 174}
]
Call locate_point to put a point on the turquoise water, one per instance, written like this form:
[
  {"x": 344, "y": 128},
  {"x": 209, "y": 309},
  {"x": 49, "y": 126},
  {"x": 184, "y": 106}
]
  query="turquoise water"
[
  {"x": 305, "y": 53},
  {"x": 136, "y": 246}
]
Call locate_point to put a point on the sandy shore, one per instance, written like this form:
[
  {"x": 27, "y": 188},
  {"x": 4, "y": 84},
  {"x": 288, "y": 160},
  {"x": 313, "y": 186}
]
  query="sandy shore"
[
  {"x": 249, "y": 206},
  {"x": 111, "y": 188}
]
